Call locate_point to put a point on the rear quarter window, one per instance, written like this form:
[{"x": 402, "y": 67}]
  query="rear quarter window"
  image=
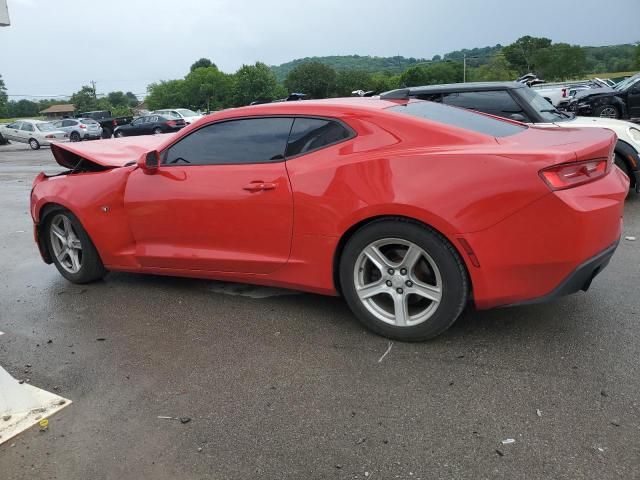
[{"x": 458, "y": 117}]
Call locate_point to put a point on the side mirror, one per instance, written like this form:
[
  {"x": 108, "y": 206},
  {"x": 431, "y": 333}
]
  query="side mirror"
[
  {"x": 517, "y": 117},
  {"x": 149, "y": 162}
]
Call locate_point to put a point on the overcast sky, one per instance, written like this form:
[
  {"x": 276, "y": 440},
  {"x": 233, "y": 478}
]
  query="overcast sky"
[{"x": 54, "y": 47}]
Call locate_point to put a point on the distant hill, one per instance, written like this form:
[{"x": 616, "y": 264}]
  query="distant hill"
[
  {"x": 609, "y": 58},
  {"x": 352, "y": 62}
]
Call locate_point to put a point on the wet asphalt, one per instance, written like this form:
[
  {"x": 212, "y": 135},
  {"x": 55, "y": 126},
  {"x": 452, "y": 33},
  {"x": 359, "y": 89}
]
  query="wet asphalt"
[{"x": 280, "y": 385}]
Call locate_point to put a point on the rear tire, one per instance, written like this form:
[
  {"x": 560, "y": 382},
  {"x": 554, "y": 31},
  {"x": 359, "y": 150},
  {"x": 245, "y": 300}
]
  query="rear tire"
[
  {"x": 392, "y": 266},
  {"x": 71, "y": 249},
  {"x": 34, "y": 144},
  {"x": 621, "y": 164},
  {"x": 106, "y": 133}
]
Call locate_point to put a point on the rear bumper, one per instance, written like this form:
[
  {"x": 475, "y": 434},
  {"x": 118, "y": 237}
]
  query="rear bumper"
[
  {"x": 579, "y": 279},
  {"x": 552, "y": 247}
]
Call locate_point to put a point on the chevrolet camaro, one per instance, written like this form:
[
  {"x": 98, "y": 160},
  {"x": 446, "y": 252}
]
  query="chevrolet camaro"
[{"x": 409, "y": 209}]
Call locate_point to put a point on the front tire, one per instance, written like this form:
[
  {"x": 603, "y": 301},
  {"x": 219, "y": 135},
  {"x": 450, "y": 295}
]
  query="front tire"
[
  {"x": 71, "y": 249},
  {"x": 403, "y": 280},
  {"x": 607, "y": 111},
  {"x": 119, "y": 134},
  {"x": 34, "y": 144},
  {"x": 74, "y": 137}
]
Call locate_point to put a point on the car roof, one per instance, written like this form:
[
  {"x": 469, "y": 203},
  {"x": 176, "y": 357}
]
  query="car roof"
[
  {"x": 316, "y": 107},
  {"x": 456, "y": 87}
]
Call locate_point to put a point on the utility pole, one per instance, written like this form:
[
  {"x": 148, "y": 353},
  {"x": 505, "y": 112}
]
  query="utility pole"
[
  {"x": 93, "y": 84},
  {"x": 464, "y": 68}
]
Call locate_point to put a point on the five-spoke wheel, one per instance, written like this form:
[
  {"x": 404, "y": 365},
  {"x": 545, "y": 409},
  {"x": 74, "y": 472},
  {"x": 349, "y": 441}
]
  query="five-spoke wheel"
[
  {"x": 403, "y": 280},
  {"x": 65, "y": 243}
]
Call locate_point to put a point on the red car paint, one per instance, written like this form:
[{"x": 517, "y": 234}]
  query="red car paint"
[{"x": 518, "y": 238}]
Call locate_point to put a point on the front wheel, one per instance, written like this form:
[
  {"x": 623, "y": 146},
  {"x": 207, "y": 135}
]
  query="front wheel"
[
  {"x": 74, "y": 137},
  {"x": 71, "y": 249},
  {"x": 119, "y": 134},
  {"x": 403, "y": 280},
  {"x": 607, "y": 111},
  {"x": 34, "y": 144}
]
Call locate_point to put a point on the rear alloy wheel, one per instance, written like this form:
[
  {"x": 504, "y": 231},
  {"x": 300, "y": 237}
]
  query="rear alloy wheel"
[
  {"x": 403, "y": 280},
  {"x": 71, "y": 249},
  {"x": 607, "y": 111},
  {"x": 34, "y": 144},
  {"x": 74, "y": 137},
  {"x": 157, "y": 131}
]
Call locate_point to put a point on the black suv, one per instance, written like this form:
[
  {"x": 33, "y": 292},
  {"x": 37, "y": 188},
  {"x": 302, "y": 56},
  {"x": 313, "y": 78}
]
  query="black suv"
[
  {"x": 516, "y": 101},
  {"x": 619, "y": 101}
]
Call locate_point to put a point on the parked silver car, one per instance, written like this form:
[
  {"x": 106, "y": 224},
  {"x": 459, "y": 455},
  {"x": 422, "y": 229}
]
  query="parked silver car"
[
  {"x": 34, "y": 132},
  {"x": 78, "y": 129}
]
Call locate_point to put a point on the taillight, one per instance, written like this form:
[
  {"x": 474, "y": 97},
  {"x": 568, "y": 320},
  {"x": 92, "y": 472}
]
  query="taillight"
[
  {"x": 82, "y": 125},
  {"x": 569, "y": 175},
  {"x": 114, "y": 123},
  {"x": 564, "y": 93},
  {"x": 171, "y": 123}
]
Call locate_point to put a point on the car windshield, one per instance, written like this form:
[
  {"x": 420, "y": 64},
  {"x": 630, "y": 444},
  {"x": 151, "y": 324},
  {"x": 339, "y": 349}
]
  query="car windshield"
[
  {"x": 185, "y": 112},
  {"x": 45, "y": 127},
  {"x": 459, "y": 117},
  {"x": 547, "y": 111},
  {"x": 626, "y": 82}
]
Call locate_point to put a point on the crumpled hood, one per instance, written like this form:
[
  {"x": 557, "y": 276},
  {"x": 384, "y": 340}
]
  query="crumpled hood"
[
  {"x": 604, "y": 91},
  {"x": 109, "y": 153}
]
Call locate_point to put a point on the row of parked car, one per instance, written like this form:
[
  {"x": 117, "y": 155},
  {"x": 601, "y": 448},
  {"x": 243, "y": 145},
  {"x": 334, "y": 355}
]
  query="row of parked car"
[{"x": 95, "y": 125}]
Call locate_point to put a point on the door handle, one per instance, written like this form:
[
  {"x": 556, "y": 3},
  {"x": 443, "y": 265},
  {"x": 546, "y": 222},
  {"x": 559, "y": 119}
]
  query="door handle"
[{"x": 259, "y": 185}]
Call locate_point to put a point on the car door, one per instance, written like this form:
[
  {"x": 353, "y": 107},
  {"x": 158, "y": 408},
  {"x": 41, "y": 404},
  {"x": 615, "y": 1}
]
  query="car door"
[
  {"x": 26, "y": 132},
  {"x": 10, "y": 132},
  {"x": 150, "y": 124},
  {"x": 136, "y": 127},
  {"x": 220, "y": 201}
]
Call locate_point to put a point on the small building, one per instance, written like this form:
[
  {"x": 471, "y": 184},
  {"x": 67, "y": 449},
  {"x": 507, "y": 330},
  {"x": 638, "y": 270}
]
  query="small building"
[{"x": 58, "y": 111}]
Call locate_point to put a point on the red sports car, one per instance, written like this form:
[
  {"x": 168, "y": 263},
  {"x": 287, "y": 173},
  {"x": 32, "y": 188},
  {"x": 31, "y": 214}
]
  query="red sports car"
[{"x": 409, "y": 209}]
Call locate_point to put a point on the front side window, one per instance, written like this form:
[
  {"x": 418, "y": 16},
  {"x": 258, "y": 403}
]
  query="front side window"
[
  {"x": 310, "y": 134},
  {"x": 249, "y": 140},
  {"x": 15, "y": 125},
  {"x": 138, "y": 121}
]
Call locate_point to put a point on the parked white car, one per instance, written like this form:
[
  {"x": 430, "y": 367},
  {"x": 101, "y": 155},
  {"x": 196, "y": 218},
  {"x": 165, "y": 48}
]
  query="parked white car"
[
  {"x": 34, "y": 132},
  {"x": 189, "y": 116}
]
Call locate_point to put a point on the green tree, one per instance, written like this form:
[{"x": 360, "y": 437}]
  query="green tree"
[
  {"x": 560, "y": 61},
  {"x": 3, "y": 99},
  {"x": 202, "y": 63},
  {"x": 520, "y": 54},
  {"x": 165, "y": 94},
  {"x": 85, "y": 99},
  {"x": 118, "y": 99},
  {"x": 384, "y": 81},
  {"x": 349, "y": 80},
  {"x": 22, "y": 108},
  {"x": 440, "y": 72},
  {"x": 314, "y": 79},
  {"x": 207, "y": 87},
  {"x": 254, "y": 82},
  {"x": 637, "y": 59},
  {"x": 133, "y": 100},
  {"x": 498, "y": 69}
]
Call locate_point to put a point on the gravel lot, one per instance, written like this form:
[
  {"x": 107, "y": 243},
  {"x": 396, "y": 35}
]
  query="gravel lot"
[{"x": 289, "y": 386}]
